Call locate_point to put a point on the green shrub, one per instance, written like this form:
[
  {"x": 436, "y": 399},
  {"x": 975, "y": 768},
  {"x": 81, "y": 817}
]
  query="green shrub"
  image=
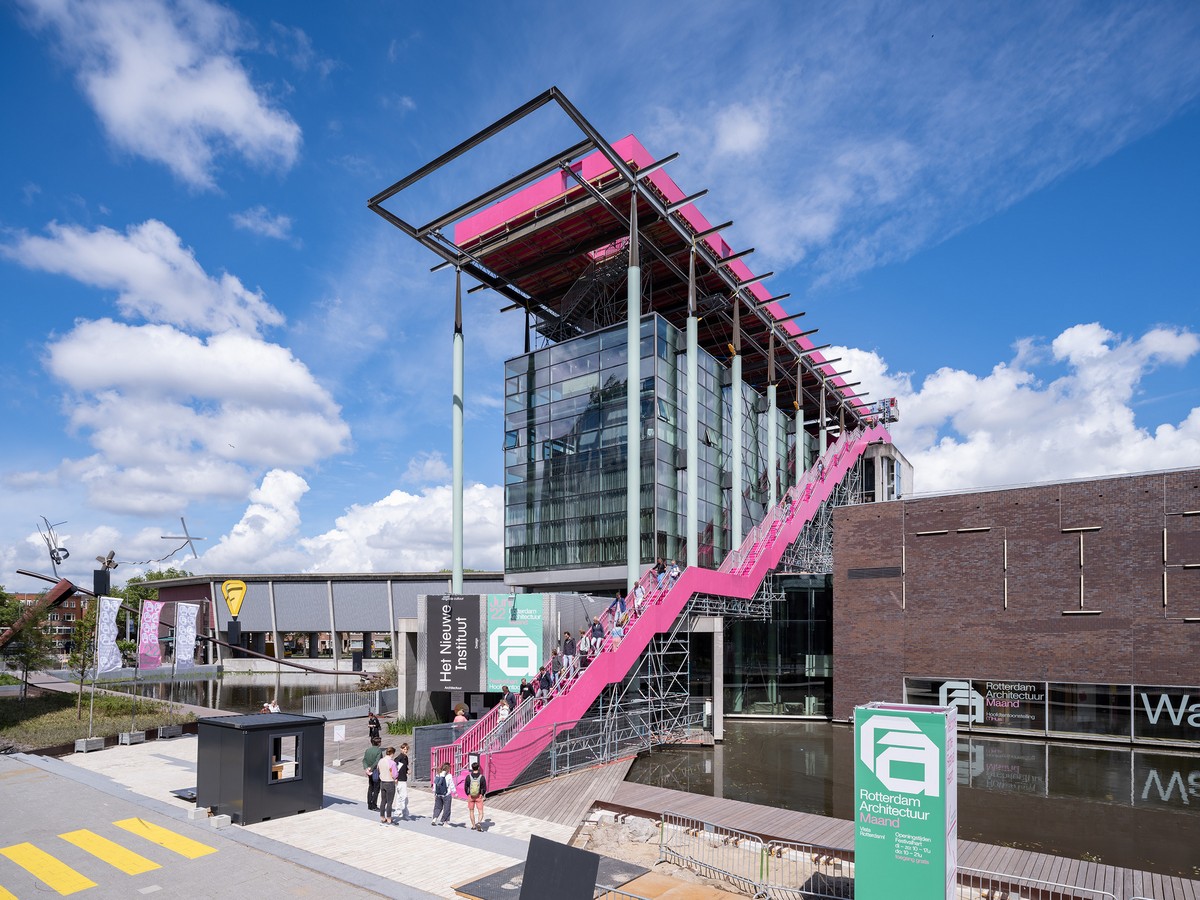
[{"x": 406, "y": 724}]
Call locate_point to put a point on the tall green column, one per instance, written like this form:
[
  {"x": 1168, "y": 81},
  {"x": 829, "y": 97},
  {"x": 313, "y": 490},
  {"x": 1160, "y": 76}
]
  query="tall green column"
[
  {"x": 772, "y": 440},
  {"x": 633, "y": 407},
  {"x": 693, "y": 420},
  {"x": 456, "y": 440},
  {"x": 735, "y": 488}
]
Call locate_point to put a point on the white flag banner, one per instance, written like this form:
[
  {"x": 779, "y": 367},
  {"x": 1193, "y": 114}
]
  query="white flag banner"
[
  {"x": 108, "y": 657},
  {"x": 185, "y": 635}
]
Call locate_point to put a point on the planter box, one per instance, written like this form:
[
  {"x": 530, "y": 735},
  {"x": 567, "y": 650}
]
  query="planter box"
[
  {"x": 169, "y": 731},
  {"x": 87, "y": 745},
  {"x": 131, "y": 737}
]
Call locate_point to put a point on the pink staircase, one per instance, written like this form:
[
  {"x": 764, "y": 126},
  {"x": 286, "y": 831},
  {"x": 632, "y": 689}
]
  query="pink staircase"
[{"x": 507, "y": 751}]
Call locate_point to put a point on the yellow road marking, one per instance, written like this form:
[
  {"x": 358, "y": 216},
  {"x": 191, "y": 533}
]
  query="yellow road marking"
[
  {"x": 5, "y": 895},
  {"x": 45, "y": 867},
  {"x": 164, "y": 837},
  {"x": 112, "y": 853}
]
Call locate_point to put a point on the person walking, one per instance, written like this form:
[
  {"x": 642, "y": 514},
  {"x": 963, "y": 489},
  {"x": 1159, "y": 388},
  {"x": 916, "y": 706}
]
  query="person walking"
[
  {"x": 387, "y": 785},
  {"x": 402, "y": 781},
  {"x": 443, "y": 795},
  {"x": 373, "y": 728},
  {"x": 660, "y": 572},
  {"x": 584, "y": 647},
  {"x": 672, "y": 574},
  {"x": 475, "y": 787},
  {"x": 460, "y": 715},
  {"x": 370, "y": 759},
  {"x": 568, "y": 654},
  {"x": 527, "y": 690}
]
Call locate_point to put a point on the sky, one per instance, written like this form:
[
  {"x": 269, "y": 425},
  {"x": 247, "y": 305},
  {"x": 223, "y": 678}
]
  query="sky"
[{"x": 988, "y": 208}]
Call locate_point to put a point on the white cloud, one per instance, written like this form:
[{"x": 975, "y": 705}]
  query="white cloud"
[
  {"x": 426, "y": 468},
  {"x": 176, "y": 419},
  {"x": 156, "y": 277},
  {"x": 164, "y": 79},
  {"x": 260, "y": 220},
  {"x": 1027, "y": 420},
  {"x": 263, "y": 540},
  {"x": 412, "y": 533}
]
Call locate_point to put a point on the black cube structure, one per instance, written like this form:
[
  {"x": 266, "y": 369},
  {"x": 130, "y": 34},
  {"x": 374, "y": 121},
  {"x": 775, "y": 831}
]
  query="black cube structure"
[{"x": 260, "y": 767}]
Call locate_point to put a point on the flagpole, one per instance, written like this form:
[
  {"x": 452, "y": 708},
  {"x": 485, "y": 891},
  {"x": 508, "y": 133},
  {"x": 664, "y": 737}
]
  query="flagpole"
[
  {"x": 137, "y": 667},
  {"x": 95, "y": 665}
]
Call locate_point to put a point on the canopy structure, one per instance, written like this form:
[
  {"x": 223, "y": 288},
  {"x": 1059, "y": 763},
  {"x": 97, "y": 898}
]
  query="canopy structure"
[{"x": 552, "y": 241}]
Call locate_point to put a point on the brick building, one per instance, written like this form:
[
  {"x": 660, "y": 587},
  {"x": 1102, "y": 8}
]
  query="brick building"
[{"x": 1085, "y": 591}]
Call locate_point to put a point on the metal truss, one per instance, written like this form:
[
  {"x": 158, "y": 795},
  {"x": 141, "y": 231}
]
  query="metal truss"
[
  {"x": 812, "y": 551},
  {"x": 596, "y": 299},
  {"x": 757, "y": 607}
]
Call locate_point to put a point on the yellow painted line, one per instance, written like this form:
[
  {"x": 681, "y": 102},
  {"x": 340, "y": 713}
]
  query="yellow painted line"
[
  {"x": 5, "y": 895},
  {"x": 43, "y": 866},
  {"x": 164, "y": 837},
  {"x": 112, "y": 853}
]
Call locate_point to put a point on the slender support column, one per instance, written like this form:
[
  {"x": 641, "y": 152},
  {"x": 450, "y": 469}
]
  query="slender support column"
[
  {"x": 633, "y": 408},
  {"x": 824, "y": 421},
  {"x": 693, "y": 421},
  {"x": 801, "y": 463},
  {"x": 772, "y": 424},
  {"x": 456, "y": 440},
  {"x": 735, "y": 392}
]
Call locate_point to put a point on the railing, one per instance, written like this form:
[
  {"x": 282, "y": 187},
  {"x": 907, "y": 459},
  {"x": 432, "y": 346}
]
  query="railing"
[
  {"x": 787, "y": 870},
  {"x": 350, "y": 705}
]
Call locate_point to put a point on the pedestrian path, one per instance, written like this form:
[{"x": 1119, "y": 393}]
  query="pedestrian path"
[{"x": 410, "y": 854}]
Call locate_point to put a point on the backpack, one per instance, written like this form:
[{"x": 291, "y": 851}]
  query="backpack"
[
  {"x": 439, "y": 787},
  {"x": 473, "y": 785}
]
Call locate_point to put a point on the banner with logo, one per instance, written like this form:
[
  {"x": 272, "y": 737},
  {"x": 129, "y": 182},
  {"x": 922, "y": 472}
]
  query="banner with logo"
[
  {"x": 906, "y": 801},
  {"x": 108, "y": 656},
  {"x": 514, "y": 625},
  {"x": 185, "y": 635},
  {"x": 149, "y": 651},
  {"x": 1011, "y": 705},
  {"x": 452, "y": 646}
]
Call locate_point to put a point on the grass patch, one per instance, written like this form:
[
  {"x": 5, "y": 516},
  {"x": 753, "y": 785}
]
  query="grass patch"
[
  {"x": 6, "y": 679},
  {"x": 405, "y": 724},
  {"x": 48, "y": 718}
]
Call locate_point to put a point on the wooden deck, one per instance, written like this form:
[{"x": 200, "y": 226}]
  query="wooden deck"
[
  {"x": 838, "y": 834},
  {"x": 567, "y": 799}
]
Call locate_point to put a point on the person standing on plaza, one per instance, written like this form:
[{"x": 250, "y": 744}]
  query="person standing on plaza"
[
  {"x": 370, "y": 759},
  {"x": 386, "y": 767},
  {"x": 373, "y": 728},
  {"x": 475, "y": 787},
  {"x": 402, "y": 781},
  {"x": 443, "y": 795}
]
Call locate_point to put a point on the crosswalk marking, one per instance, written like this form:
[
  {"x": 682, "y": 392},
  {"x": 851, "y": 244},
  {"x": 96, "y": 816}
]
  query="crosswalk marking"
[
  {"x": 45, "y": 867},
  {"x": 5, "y": 895},
  {"x": 164, "y": 837},
  {"x": 112, "y": 853}
]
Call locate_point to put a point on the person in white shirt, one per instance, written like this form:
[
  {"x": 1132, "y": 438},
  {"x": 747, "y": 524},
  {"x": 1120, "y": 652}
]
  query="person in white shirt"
[{"x": 443, "y": 795}]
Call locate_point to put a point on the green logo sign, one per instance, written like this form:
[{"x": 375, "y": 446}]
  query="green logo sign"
[
  {"x": 514, "y": 625},
  {"x": 906, "y": 801}
]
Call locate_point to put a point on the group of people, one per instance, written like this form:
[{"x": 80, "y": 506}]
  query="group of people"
[
  {"x": 271, "y": 706},
  {"x": 387, "y": 772}
]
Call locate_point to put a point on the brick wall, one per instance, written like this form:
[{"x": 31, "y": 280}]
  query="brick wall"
[{"x": 919, "y": 586}]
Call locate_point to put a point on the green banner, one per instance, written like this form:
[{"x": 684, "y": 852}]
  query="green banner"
[
  {"x": 906, "y": 801},
  {"x": 514, "y": 625}
]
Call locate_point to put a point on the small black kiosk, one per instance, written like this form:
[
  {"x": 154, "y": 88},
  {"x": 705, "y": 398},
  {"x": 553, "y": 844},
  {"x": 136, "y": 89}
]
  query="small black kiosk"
[{"x": 260, "y": 767}]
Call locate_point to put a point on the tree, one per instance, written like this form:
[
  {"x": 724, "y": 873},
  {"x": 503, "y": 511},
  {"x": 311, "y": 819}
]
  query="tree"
[
  {"x": 83, "y": 649},
  {"x": 30, "y": 650}
]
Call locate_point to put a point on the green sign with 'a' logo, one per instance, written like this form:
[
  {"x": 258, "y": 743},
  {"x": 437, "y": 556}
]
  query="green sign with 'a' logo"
[
  {"x": 905, "y": 801},
  {"x": 514, "y": 648}
]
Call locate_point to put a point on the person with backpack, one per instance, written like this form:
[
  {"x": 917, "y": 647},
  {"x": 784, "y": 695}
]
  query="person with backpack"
[
  {"x": 475, "y": 787},
  {"x": 370, "y": 759},
  {"x": 443, "y": 795}
]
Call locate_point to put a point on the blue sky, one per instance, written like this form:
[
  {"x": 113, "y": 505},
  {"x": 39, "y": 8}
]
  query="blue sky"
[{"x": 992, "y": 207}]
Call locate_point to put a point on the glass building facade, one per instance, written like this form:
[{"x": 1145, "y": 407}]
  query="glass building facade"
[{"x": 565, "y": 447}]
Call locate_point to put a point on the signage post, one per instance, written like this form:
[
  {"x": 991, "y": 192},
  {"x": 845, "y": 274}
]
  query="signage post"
[{"x": 905, "y": 801}]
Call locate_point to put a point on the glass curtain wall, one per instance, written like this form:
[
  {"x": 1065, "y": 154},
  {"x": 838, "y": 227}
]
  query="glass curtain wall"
[{"x": 784, "y": 667}]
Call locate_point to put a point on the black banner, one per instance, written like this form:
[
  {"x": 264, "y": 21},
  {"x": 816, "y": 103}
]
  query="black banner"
[{"x": 453, "y": 651}]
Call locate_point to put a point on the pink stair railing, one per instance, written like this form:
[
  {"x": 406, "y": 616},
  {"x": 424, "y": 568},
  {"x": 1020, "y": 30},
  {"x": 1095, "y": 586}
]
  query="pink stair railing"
[{"x": 506, "y": 751}]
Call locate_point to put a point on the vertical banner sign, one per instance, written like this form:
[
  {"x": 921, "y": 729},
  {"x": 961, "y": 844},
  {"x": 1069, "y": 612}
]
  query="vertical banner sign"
[
  {"x": 905, "y": 801},
  {"x": 108, "y": 655},
  {"x": 514, "y": 625},
  {"x": 185, "y": 635},
  {"x": 149, "y": 653},
  {"x": 452, "y": 644}
]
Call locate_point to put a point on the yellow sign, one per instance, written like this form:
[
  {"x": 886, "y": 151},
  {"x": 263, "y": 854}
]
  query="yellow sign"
[{"x": 234, "y": 593}]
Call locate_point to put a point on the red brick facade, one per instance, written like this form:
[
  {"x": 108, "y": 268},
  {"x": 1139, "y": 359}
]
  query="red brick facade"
[{"x": 1098, "y": 576}]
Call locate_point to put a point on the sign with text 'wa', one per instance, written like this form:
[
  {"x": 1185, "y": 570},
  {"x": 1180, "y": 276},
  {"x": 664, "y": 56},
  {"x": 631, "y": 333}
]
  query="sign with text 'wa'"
[
  {"x": 514, "y": 624},
  {"x": 905, "y": 801},
  {"x": 452, "y": 642}
]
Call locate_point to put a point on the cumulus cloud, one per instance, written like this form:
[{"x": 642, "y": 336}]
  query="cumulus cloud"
[
  {"x": 260, "y": 220},
  {"x": 426, "y": 468},
  {"x": 165, "y": 81},
  {"x": 155, "y": 276},
  {"x": 264, "y": 539},
  {"x": 1065, "y": 410}
]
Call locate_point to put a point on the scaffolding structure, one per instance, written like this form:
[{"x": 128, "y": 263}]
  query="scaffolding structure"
[{"x": 812, "y": 551}]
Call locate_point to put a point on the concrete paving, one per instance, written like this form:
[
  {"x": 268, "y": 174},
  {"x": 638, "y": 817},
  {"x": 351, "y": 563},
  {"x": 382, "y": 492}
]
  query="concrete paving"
[{"x": 341, "y": 848}]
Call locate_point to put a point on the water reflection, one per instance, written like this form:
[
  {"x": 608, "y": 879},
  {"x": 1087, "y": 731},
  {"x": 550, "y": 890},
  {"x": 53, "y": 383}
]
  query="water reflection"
[
  {"x": 1133, "y": 808},
  {"x": 244, "y": 693}
]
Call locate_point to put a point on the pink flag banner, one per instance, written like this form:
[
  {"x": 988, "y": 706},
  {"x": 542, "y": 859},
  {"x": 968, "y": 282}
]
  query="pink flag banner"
[
  {"x": 149, "y": 652},
  {"x": 185, "y": 635},
  {"x": 108, "y": 656}
]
